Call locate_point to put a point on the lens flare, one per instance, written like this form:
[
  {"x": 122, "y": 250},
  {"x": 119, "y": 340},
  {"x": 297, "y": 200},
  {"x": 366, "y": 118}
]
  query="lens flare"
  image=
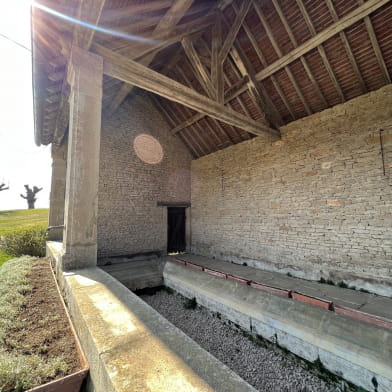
[{"x": 101, "y": 29}]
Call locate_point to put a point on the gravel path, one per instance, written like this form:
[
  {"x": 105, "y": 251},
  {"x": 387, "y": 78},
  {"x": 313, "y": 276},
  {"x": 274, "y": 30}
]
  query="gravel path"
[{"x": 264, "y": 368}]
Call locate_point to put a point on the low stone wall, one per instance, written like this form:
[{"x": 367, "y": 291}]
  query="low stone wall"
[
  {"x": 358, "y": 352},
  {"x": 315, "y": 204},
  {"x": 131, "y": 347}
]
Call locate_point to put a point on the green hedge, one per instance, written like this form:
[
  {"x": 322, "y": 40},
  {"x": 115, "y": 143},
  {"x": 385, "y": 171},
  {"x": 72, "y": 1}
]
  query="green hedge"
[{"x": 24, "y": 241}]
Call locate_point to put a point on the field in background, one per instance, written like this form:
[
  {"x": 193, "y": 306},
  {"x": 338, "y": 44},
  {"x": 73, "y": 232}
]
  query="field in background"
[{"x": 15, "y": 219}]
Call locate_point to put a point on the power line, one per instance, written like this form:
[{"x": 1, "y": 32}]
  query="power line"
[{"x": 15, "y": 42}]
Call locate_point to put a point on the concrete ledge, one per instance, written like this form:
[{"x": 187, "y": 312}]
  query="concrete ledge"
[
  {"x": 354, "y": 350},
  {"x": 130, "y": 347}
]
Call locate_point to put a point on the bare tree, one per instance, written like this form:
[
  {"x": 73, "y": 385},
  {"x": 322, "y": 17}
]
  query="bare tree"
[
  {"x": 30, "y": 196},
  {"x": 3, "y": 187}
]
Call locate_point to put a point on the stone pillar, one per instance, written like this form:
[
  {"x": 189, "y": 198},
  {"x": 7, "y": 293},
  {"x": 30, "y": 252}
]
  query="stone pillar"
[
  {"x": 81, "y": 195},
  {"x": 57, "y": 191}
]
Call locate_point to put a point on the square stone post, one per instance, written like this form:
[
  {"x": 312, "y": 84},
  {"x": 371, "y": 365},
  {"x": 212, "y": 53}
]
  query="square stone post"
[
  {"x": 81, "y": 196},
  {"x": 57, "y": 191}
]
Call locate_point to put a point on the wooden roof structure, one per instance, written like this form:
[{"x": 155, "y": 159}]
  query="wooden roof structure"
[{"x": 222, "y": 71}]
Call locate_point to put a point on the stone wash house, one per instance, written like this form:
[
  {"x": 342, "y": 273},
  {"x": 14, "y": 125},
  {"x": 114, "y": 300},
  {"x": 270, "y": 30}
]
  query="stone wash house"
[{"x": 255, "y": 132}]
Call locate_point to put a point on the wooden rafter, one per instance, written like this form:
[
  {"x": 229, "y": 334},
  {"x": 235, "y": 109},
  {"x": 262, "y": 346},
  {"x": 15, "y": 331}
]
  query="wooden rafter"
[
  {"x": 200, "y": 72},
  {"x": 348, "y": 20},
  {"x": 127, "y": 12},
  {"x": 275, "y": 45},
  {"x": 274, "y": 81},
  {"x": 168, "y": 22},
  {"x": 82, "y": 37},
  {"x": 376, "y": 47},
  {"x": 216, "y": 64},
  {"x": 302, "y": 59},
  {"x": 133, "y": 73},
  {"x": 321, "y": 50},
  {"x": 347, "y": 47},
  {"x": 235, "y": 28},
  {"x": 171, "y": 123}
]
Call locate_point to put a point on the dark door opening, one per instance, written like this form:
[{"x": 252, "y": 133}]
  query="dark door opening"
[{"x": 175, "y": 229}]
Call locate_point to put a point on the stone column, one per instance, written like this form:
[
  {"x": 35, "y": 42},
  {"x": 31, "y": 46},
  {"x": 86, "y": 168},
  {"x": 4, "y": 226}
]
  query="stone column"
[
  {"x": 57, "y": 191},
  {"x": 81, "y": 195}
]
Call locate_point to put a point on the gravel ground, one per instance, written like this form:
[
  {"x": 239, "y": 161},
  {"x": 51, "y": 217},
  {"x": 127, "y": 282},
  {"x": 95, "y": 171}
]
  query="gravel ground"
[{"x": 265, "y": 368}]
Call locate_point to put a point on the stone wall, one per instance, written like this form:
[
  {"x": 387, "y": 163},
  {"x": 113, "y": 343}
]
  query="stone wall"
[
  {"x": 132, "y": 181},
  {"x": 315, "y": 204}
]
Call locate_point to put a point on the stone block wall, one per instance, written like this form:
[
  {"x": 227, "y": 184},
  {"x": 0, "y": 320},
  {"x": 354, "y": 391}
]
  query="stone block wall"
[
  {"x": 315, "y": 204},
  {"x": 132, "y": 181}
]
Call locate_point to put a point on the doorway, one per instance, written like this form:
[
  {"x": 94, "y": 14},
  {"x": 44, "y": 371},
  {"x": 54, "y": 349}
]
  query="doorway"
[{"x": 176, "y": 229}]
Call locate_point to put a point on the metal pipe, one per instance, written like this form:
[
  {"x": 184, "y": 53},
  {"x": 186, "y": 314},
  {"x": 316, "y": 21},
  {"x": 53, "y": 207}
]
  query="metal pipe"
[{"x": 53, "y": 227}]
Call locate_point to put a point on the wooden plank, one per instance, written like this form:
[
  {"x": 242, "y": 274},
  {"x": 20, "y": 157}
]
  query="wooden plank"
[
  {"x": 131, "y": 72},
  {"x": 167, "y": 23},
  {"x": 376, "y": 47},
  {"x": 216, "y": 64},
  {"x": 200, "y": 72},
  {"x": 321, "y": 50},
  {"x": 354, "y": 16},
  {"x": 275, "y": 113},
  {"x": 230, "y": 94},
  {"x": 347, "y": 47},
  {"x": 279, "y": 53},
  {"x": 235, "y": 28},
  {"x": 116, "y": 14},
  {"x": 162, "y": 109}
]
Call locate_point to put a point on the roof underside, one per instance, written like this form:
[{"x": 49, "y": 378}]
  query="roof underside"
[{"x": 277, "y": 66}]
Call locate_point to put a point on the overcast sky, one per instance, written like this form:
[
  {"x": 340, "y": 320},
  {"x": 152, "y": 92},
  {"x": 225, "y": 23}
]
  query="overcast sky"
[{"x": 21, "y": 161}]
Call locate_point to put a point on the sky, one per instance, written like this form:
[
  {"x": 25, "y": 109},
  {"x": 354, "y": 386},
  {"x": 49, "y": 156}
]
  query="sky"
[{"x": 21, "y": 161}]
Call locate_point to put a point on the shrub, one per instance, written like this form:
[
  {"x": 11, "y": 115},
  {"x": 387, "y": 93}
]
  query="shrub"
[{"x": 24, "y": 241}]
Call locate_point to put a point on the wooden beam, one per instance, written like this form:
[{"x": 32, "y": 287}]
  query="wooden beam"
[
  {"x": 274, "y": 81},
  {"x": 169, "y": 20},
  {"x": 347, "y": 47},
  {"x": 131, "y": 72},
  {"x": 321, "y": 50},
  {"x": 230, "y": 94},
  {"x": 200, "y": 72},
  {"x": 235, "y": 28},
  {"x": 158, "y": 104},
  {"x": 376, "y": 47},
  {"x": 82, "y": 37},
  {"x": 128, "y": 12},
  {"x": 354, "y": 16},
  {"x": 302, "y": 59},
  {"x": 216, "y": 64},
  {"x": 279, "y": 54}
]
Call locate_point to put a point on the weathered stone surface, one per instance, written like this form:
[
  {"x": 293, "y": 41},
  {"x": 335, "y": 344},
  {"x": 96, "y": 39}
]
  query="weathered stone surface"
[
  {"x": 316, "y": 204},
  {"x": 57, "y": 191},
  {"x": 129, "y": 220},
  {"x": 352, "y": 349},
  {"x": 130, "y": 347},
  {"x": 81, "y": 193}
]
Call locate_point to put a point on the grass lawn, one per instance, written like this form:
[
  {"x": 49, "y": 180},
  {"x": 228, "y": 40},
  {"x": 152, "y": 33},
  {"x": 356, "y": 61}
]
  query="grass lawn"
[{"x": 20, "y": 219}]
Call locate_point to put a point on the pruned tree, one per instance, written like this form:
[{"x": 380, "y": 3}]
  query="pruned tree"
[
  {"x": 3, "y": 187},
  {"x": 30, "y": 196}
]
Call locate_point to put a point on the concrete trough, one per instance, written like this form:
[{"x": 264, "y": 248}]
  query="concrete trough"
[{"x": 356, "y": 351}]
